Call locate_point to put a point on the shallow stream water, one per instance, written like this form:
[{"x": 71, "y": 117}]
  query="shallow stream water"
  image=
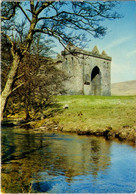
[{"x": 65, "y": 163}]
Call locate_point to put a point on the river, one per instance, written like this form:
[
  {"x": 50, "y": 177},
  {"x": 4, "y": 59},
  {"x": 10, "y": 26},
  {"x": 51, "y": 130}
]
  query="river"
[{"x": 65, "y": 163}]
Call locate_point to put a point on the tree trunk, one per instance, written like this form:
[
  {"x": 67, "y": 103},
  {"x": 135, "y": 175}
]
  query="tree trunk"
[
  {"x": 16, "y": 60},
  {"x": 8, "y": 87}
]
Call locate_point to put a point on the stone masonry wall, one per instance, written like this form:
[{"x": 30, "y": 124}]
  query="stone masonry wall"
[{"x": 89, "y": 73}]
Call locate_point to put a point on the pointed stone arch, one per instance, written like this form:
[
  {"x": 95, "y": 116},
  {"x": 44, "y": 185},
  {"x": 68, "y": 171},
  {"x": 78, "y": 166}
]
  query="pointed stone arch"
[{"x": 96, "y": 81}]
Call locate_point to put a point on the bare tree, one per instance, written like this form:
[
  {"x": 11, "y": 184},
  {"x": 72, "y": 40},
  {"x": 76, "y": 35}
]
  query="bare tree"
[
  {"x": 59, "y": 19},
  {"x": 37, "y": 74}
]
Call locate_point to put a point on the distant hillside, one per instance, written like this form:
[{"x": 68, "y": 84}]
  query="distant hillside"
[{"x": 123, "y": 88}]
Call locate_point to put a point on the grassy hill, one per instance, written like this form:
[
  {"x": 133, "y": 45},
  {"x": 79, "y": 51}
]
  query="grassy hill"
[{"x": 127, "y": 88}]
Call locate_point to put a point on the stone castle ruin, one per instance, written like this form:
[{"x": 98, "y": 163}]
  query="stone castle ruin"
[{"x": 89, "y": 73}]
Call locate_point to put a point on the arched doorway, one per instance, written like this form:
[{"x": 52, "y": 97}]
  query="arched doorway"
[{"x": 96, "y": 81}]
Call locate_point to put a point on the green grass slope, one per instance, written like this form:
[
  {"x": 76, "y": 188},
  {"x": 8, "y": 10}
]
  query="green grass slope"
[{"x": 96, "y": 114}]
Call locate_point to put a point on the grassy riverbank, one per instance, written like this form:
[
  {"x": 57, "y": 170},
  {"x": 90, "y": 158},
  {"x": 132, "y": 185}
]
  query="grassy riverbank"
[{"x": 111, "y": 116}]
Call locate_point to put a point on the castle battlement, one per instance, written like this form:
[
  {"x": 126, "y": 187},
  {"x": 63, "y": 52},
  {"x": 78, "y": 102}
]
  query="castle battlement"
[{"x": 73, "y": 50}]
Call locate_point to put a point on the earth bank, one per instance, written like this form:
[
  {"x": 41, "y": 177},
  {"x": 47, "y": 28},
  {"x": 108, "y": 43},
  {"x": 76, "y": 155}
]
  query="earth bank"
[{"x": 111, "y": 117}]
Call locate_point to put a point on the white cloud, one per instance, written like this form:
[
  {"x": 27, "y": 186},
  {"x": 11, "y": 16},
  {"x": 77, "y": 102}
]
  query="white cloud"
[{"x": 118, "y": 42}]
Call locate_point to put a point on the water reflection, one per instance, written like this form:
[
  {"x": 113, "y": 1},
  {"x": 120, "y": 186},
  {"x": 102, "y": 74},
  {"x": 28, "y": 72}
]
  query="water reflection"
[{"x": 48, "y": 162}]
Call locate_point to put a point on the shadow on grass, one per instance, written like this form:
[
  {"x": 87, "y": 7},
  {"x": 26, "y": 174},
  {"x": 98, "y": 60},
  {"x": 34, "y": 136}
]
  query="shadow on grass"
[
  {"x": 49, "y": 111},
  {"x": 8, "y": 123},
  {"x": 52, "y": 109}
]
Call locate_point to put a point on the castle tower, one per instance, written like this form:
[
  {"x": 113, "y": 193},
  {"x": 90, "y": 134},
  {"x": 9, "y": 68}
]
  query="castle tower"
[{"x": 89, "y": 73}]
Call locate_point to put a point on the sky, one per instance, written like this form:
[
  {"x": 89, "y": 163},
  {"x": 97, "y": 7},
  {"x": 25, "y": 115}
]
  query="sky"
[{"x": 119, "y": 43}]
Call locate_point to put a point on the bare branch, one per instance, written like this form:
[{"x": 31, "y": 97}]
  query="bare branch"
[
  {"x": 12, "y": 43},
  {"x": 4, "y": 63},
  {"x": 32, "y": 6},
  {"x": 18, "y": 77},
  {"x": 36, "y": 5},
  {"x": 59, "y": 37},
  {"x": 44, "y": 5},
  {"x": 12, "y": 14},
  {"x": 17, "y": 87},
  {"x": 24, "y": 13}
]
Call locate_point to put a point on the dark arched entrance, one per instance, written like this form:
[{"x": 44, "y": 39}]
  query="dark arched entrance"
[{"x": 96, "y": 81}]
